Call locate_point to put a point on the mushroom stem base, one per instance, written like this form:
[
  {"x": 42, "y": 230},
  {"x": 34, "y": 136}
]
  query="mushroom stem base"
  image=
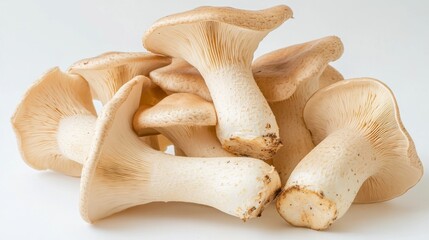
[
  {"x": 261, "y": 147},
  {"x": 317, "y": 213},
  {"x": 325, "y": 182}
]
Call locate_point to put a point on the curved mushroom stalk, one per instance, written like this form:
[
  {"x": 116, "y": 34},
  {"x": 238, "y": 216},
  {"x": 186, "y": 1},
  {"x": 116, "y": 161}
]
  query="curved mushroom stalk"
[
  {"x": 122, "y": 171},
  {"x": 108, "y": 72},
  {"x": 288, "y": 77},
  {"x": 363, "y": 153},
  {"x": 220, "y": 43},
  {"x": 46, "y": 118},
  {"x": 187, "y": 120}
]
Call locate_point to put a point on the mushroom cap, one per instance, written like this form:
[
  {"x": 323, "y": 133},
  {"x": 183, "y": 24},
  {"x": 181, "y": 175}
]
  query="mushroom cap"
[
  {"x": 368, "y": 107},
  {"x": 107, "y": 72},
  {"x": 176, "y": 25},
  {"x": 180, "y": 76},
  {"x": 117, "y": 59},
  {"x": 179, "y": 109},
  {"x": 113, "y": 128},
  {"x": 279, "y": 73},
  {"x": 55, "y": 96},
  {"x": 261, "y": 20},
  {"x": 329, "y": 77}
]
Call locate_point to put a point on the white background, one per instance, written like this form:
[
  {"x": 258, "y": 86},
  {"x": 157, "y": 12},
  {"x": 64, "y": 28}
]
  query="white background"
[{"x": 387, "y": 40}]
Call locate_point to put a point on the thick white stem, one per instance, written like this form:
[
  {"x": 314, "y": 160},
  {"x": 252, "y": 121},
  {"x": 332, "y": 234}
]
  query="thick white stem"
[
  {"x": 74, "y": 136},
  {"x": 195, "y": 141},
  {"x": 324, "y": 184},
  {"x": 238, "y": 186},
  {"x": 246, "y": 124}
]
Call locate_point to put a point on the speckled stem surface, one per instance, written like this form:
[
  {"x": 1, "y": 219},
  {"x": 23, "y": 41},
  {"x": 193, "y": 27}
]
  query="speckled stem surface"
[{"x": 324, "y": 184}]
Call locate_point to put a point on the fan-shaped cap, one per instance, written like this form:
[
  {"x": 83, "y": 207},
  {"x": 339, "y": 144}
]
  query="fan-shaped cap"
[
  {"x": 113, "y": 126},
  {"x": 278, "y": 73},
  {"x": 182, "y": 77},
  {"x": 53, "y": 97},
  {"x": 260, "y": 21},
  {"x": 369, "y": 108},
  {"x": 108, "y": 72},
  {"x": 179, "y": 109}
]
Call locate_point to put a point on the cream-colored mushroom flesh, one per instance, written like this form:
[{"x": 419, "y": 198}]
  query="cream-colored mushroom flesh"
[
  {"x": 54, "y": 105},
  {"x": 289, "y": 76},
  {"x": 363, "y": 153},
  {"x": 187, "y": 120},
  {"x": 181, "y": 77},
  {"x": 108, "y": 72},
  {"x": 220, "y": 43},
  {"x": 122, "y": 171}
]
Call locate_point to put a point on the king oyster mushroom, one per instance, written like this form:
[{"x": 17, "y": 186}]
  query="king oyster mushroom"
[
  {"x": 363, "y": 153},
  {"x": 220, "y": 43},
  {"x": 55, "y": 103},
  {"x": 187, "y": 120}
]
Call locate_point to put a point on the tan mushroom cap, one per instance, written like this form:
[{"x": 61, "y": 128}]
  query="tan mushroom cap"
[
  {"x": 369, "y": 107},
  {"x": 53, "y": 97},
  {"x": 329, "y": 76},
  {"x": 106, "y": 73},
  {"x": 179, "y": 109},
  {"x": 279, "y": 73},
  {"x": 180, "y": 76},
  {"x": 261, "y": 20}
]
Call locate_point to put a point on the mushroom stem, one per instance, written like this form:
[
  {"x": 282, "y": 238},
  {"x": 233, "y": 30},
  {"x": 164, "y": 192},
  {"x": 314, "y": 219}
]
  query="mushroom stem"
[
  {"x": 138, "y": 175},
  {"x": 195, "y": 141},
  {"x": 222, "y": 183},
  {"x": 75, "y": 136},
  {"x": 246, "y": 124},
  {"x": 324, "y": 184},
  {"x": 296, "y": 138}
]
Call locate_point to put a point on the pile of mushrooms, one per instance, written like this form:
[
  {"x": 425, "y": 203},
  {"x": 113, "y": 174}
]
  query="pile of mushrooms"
[{"x": 245, "y": 132}]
